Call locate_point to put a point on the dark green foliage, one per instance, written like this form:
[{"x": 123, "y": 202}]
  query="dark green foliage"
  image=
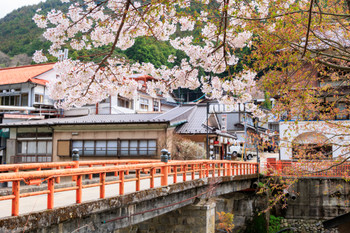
[
  {"x": 18, "y": 32},
  {"x": 258, "y": 225},
  {"x": 267, "y": 103},
  {"x": 275, "y": 224},
  {"x": 147, "y": 49}
]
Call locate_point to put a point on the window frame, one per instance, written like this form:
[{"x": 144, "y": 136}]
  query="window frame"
[
  {"x": 36, "y": 147},
  {"x": 129, "y": 151}
]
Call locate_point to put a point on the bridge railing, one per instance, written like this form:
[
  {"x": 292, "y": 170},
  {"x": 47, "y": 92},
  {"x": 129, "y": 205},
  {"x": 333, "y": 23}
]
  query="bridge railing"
[
  {"x": 69, "y": 164},
  {"x": 306, "y": 168},
  {"x": 137, "y": 173}
]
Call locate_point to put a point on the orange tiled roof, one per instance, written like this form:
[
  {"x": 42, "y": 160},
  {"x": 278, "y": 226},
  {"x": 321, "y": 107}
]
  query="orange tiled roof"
[{"x": 23, "y": 74}]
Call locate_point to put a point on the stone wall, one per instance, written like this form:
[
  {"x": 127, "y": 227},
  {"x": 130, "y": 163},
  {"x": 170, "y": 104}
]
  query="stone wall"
[
  {"x": 245, "y": 206},
  {"x": 303, "y": 225},
  {"x": 317, "y": 199},
  {"x": 196, "y": 218}
]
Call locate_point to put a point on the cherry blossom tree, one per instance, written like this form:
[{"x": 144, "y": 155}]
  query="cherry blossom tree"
[
  {"x": 298, "y": 53},
  {"x": 298, "y": 48},
  {"x": 117, "y": 23}
]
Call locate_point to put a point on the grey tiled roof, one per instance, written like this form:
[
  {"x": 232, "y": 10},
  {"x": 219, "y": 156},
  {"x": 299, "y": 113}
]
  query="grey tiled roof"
[
  {"x": 192, "y": 119},
  {"x": 172, "y": 116},
  {"x": 196, "y": 122},
  {"x": 177, "y": 114},
  {"x": 92, "y": 119}
]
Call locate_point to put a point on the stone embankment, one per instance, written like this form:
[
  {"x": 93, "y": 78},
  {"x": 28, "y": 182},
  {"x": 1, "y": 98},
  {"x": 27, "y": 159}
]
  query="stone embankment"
[{"x": 302, "y": 225}]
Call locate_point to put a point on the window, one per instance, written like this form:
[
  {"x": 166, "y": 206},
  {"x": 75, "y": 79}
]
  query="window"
[
  {"x": 116, "y": 147},
  {"x": 39, "y": 98},
  {"x": 156, "y": 106},
  {"x": 343, "y": 113},
  {"x": 144, "y": 104},
  {"x": 125, "y": 103},
  {"x": 273, "y": 127},
  {"x": 24, "y": 99},
  {"x": 41, "y": 147},
  {"x": 12, "y": 100}
]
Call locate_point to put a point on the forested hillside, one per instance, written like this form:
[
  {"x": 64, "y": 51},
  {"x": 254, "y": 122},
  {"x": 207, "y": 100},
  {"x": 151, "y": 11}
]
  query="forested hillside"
[{"x": 20, "y": 37}]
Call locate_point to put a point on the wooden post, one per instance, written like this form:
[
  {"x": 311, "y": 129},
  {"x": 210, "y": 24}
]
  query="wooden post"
[
  {"x": 229, "y": 166},
  {"x": 102, "y": 185},
  {"x": 80, "y": 189},
  {"x": 76, "y": 165},
  {"x": 121, "y": 184},
  {"x": 184, "y": 178},
  {"x": 175, "y": 175},
  {"x": 200, "y": 171},
  {"x": 193, "y": 173},
  {"x": 50, "y": 195},
  {"x": 15, "y": 201},
  {"x": 138, "y": 179},
  {"x": 164, "y": 178},
  {"x": 127, "y": 171},
  {"x": 153, "y": 171},
  {"x": 90, "y": 175},
  {"x": 213, "y": 170}
]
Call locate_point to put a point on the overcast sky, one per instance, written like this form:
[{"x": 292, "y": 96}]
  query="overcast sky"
[{"x": 6, "y": 6}]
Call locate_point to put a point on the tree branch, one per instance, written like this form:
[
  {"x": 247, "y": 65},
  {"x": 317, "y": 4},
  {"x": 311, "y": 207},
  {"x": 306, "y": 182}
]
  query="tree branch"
[{"x": 308, "y": 28}]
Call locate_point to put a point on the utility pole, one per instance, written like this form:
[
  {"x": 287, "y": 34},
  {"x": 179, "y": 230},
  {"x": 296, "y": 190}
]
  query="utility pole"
[
  {"x": 257, "y": 145},
  {"x": 245, "y": 135},
  {"x": 207, "y": 130}
]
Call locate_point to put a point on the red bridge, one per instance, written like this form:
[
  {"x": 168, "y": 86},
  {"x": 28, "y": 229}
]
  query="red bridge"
[{"x": 61, "y": 184}]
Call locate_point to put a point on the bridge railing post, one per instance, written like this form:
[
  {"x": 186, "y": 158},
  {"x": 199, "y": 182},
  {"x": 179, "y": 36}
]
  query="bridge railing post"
[
  {"x": 193, "y": 166},
  {"x": 138, "y": 176},
  {"x": 184, "y": 170},
  {"x": 175, "y": 174},
  {"x": 15, "y": 200},
  {"x": 213, "y": 169},
  {"x": 102, "y": 185},
  {"x": 90, "y": 175},
  {"x": 153, "y": 170},
  {"x": 79, "y": 189},
  {"x": 51, "y": 194},
  {"x": 207, "y": 170},
  {"x": 121, "y": 184},
  {"x": 164, "y": 178}
]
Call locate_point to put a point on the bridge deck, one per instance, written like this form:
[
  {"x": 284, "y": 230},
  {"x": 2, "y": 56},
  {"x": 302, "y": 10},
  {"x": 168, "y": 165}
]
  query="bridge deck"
[
  {"x": 127, "y": 179},
  {"x": 37, "y": 203}
]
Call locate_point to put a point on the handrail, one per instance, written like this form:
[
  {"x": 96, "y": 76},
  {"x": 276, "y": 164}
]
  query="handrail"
[
  {"x": 151, "y": 170},
  {"x": 306, "y": 169},
  {"x": 32, "y": 166}
]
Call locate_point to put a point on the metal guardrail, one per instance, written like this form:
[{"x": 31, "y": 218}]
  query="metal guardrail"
[{"x": 151, "y": 169}]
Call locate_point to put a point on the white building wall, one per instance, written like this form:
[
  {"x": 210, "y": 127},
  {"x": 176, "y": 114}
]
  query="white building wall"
[{"x": 337, "y": 132}]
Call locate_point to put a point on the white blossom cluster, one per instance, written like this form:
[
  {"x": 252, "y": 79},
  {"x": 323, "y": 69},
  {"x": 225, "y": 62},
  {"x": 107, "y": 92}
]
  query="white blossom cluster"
[{"x": 119, "y": 22}]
